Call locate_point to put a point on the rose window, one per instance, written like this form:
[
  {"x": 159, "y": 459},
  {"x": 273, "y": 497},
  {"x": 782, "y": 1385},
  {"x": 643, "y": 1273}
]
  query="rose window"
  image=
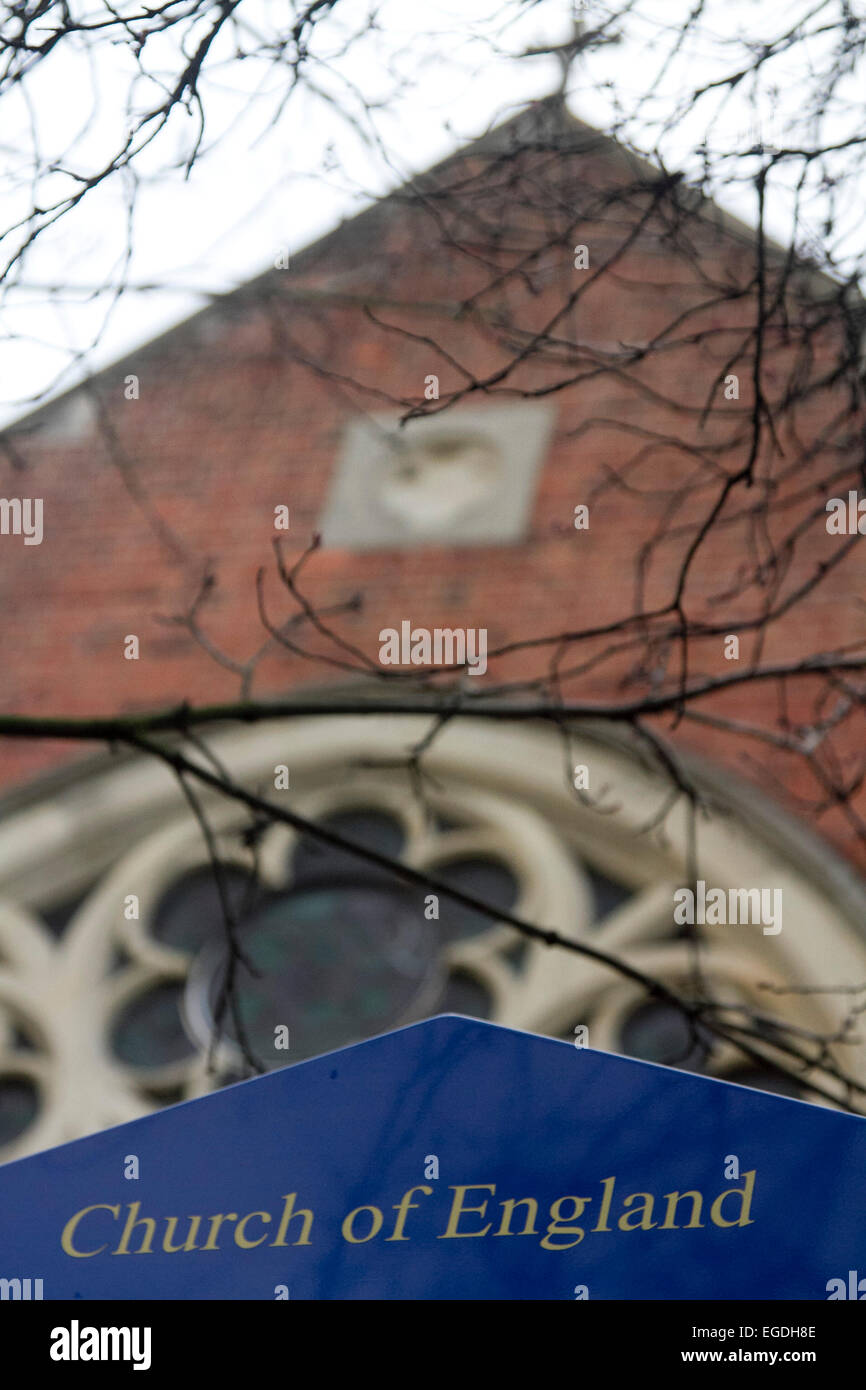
[{"x": 113, "y": 948}]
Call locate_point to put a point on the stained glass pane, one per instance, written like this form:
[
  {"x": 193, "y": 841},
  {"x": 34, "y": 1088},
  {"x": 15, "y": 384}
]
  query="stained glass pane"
[
  {"x": 372, "y": 829},
  {"x": 465, "y": 995},
  {"x": 334, "y": 964},
  {"x": 658, "y": 1032},
  {"x": 149, "y": 1031},
  {"x": 19, "y": 1104},
  {"x": 484, "y": 878},
  {"x": 189, "y": 914},
  {"x": 765, "y": 1079}
]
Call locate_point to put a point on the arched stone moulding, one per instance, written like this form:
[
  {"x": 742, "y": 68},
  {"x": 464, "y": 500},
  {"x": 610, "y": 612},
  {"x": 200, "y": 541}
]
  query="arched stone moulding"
[{"x": 500, "y": 791}]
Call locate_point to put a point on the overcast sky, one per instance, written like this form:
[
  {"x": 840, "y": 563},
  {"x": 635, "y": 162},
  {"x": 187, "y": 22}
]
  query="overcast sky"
[{"x": 267, "y": 182}]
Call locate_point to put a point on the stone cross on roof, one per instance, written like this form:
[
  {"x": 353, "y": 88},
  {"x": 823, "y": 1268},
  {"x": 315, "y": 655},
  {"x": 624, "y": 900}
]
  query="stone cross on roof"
[{"x": 565, "y": 53}]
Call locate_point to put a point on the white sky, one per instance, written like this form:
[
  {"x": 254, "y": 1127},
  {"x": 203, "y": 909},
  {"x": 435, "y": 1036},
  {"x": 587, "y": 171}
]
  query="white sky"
[{"x": 259, "y": 184}]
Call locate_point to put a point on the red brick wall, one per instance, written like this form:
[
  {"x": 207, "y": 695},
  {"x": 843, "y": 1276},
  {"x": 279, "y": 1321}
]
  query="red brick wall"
[{"x": 233, "y": 420}]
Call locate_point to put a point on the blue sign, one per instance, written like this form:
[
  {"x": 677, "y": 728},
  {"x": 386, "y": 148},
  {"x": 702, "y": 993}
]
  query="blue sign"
[{"x": 451, "y": 1159}]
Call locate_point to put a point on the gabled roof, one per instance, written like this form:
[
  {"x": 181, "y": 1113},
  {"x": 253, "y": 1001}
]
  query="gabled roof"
[{"x": 547, "y": 122}]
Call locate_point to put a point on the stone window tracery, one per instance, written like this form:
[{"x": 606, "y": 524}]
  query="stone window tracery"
[{"x": 103, "y": 1018}]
